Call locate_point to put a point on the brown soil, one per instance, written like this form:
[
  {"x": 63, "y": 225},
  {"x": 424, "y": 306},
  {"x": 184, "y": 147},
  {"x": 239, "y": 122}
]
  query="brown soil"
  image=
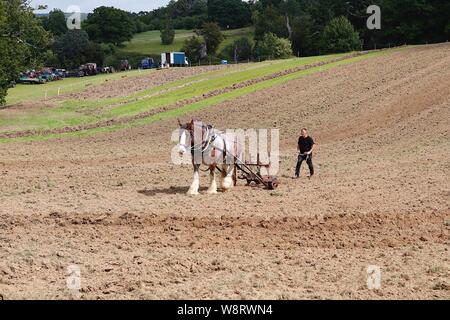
[
  {"x": 123, "y": 87},
  {"x": 115, "y": 205}
]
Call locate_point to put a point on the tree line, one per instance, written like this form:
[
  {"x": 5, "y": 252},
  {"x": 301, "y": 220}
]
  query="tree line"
[
  {"x": 314, "y": 27},
  {"x": 307, "y": 22},
  {"x": 192, "y": 14},
  {"x": 282, "y": 28}
]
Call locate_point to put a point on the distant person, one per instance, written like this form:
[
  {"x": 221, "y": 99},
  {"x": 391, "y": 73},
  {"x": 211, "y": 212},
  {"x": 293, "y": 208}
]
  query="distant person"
[{"x": 306, "y": 147}]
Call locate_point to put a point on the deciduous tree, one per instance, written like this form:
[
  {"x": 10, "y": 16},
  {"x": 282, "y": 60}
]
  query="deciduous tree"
[
  {"x": 167, "y": 32},
  {"x": 109, "y": 25},
  {"x": 194, "y": 48},
  {"x": 229, "y": 13},
  {"x": 240, "y": 49},
  {"x": 210, "y": 31},
  {"x": 56, "y": 22},
  {"x": 273, "y": 47},
  {"x": 23, "y": 42},
  {"x": 340, "y": 36}
]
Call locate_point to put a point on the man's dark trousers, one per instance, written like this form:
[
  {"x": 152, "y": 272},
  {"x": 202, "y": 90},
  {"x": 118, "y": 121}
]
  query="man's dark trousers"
[{"x": 300, "y": 160}]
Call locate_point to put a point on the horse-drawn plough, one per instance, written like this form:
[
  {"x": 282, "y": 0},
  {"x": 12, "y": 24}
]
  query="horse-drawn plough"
[
  {"x": 226, "y": 156},
  {"x": 251, "y": 172}
]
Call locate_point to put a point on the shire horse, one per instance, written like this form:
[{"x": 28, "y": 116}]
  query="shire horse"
[{"x": 211, "y": 147}]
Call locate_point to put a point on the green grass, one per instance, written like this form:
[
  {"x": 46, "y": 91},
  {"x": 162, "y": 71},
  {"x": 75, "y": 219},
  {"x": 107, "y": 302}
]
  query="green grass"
[
  {"x": 29, "y": 92},
  {"x": 207, "y": 102},
  {"x": 250, "y": 89},
  {"x": 149, "y": 43},
  {"x": 232, "y": 35},
  {"x": 199, "y": 88},
  {"x": 71, "y": 113}
]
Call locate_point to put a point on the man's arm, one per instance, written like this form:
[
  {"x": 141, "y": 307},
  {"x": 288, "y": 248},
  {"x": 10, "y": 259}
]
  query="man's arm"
[{"x": 313, "y": 147}]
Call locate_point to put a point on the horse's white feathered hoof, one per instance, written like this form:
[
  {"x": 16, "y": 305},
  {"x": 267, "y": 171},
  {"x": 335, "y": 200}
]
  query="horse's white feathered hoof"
[
  {"x": 193, "y": 189},
  {"x": 212, "y": 188},
  {"x": 227, "y": 183}
]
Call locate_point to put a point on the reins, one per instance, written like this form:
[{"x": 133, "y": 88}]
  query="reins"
[{"x": 203, "y": 145}]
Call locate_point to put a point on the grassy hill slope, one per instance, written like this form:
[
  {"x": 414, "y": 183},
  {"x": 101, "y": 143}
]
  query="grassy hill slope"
[
  {"x": 149, "y": 43},
  {"x": 95, "y": 111}
]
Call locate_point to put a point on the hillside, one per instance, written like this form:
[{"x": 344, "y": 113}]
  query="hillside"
[
  {"x": 126, "y": 97},
  {"x": 109, "y": 199},
  {"x": 149, "y": 43}
]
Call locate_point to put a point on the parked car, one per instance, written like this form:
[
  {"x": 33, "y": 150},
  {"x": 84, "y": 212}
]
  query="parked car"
[
  {"x": 32, "y": 78},
  {"x": 105, "y": 69},
  {"x": 50, "y": 74},
  {"x": 60, "y": 73},
  {"x": 124, "y": 65},
  {"x": 75, "y": 73},
  {"x": 148, "y": 63},
  {"x": 89, "y": 69}
]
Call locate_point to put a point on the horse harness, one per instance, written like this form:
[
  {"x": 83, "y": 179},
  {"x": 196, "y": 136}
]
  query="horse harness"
[{"x": 204, "y": 145}]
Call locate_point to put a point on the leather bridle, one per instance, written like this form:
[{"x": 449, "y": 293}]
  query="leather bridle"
[{"x": 205, "y": 143}]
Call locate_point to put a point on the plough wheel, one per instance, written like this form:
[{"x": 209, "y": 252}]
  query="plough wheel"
[{"x": 272, "y": 184}]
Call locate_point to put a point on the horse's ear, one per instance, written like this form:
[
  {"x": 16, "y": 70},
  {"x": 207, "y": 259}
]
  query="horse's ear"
[{"x": 179, "y": 122}]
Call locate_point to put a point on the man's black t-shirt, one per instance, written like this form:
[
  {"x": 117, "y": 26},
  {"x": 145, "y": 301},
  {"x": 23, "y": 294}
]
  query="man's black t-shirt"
[{"x": 305, "y": 144}]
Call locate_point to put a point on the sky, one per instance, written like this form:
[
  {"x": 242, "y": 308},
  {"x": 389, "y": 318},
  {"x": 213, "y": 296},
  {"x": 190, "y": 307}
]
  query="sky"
[{"x": 88, "y": 5}]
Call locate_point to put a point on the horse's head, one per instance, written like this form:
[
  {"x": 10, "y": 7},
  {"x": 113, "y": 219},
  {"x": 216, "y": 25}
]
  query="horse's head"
[{"x": 195, "y": 130}]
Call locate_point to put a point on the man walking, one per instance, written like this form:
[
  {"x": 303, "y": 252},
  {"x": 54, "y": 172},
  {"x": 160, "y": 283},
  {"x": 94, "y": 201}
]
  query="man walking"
[{"x": 306, "y": 147}]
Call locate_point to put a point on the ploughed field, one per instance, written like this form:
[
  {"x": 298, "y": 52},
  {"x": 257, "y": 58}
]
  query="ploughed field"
[{"x": 87, "y": 180}]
